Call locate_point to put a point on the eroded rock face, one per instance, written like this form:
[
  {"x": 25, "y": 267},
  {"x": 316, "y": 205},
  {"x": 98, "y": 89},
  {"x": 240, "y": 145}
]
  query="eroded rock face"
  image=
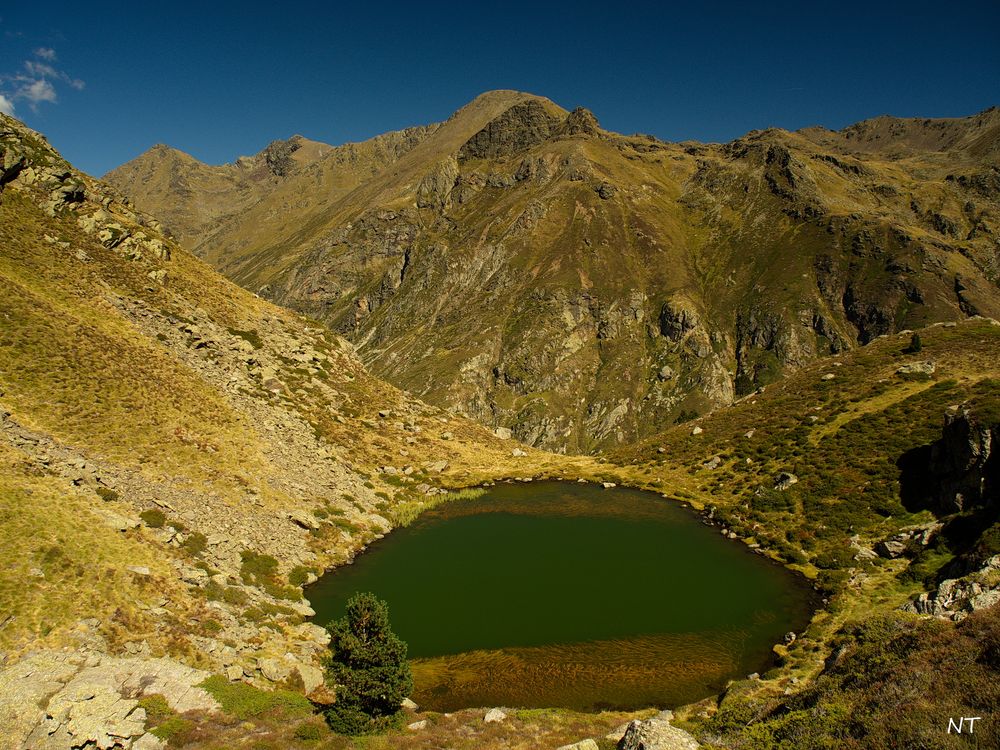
[
  {"x": 515, "y": 130},
  {"x": 965, "y": 463}
]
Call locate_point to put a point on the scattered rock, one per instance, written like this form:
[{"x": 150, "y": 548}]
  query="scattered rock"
[
  {"x": 581, "y": 745},
  {"x": 417, "y": 725},
  {"x": 504, "y": 433},
  {"x": 828, "y": 376},
  {"x": 408, "y": 704},
  {"x": 517, "y": 453},
  {"x": 608, "y": 485},
  {"x": 696, "y": 430}
]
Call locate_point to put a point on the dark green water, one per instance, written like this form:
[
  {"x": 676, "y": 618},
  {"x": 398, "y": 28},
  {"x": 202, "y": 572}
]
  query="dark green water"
[{"x": 562, "y": 594}]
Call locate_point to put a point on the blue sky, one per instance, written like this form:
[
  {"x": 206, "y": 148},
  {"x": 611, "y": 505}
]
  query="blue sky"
[{"x": 105, "y": 81}]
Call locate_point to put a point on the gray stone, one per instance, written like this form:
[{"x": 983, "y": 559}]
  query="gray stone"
[
  {"x": 303, "y": 519},
  {"x": 784, "y": 480},
  {"x": 274, "y": 670},
  {"x": 417, "y": 725},
  {"x": 581, "y": 745},
  {"x": 917, "y": 368},
  {"x": 494, "y": 715},
  {"x": 656, "y": 734},
  {"x": 503, "y": 433},
  {"x": 311, "y": 676}
]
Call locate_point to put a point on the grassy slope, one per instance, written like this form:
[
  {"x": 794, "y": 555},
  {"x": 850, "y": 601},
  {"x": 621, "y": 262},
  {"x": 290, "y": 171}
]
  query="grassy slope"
[
  {"x": 94, "y": 365},
  {"x": 867, "y": 417}
]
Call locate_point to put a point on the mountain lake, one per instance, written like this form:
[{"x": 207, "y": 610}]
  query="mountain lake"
[{"x": 560, "y": 594}]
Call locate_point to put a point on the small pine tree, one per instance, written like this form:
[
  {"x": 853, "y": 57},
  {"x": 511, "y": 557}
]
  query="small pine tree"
[
  {"x": 915, "y": 344},
  {"x": 367, "y": 667}
]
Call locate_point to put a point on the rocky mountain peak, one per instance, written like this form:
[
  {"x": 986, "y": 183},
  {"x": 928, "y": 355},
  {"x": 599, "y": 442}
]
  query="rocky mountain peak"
[
  {"x": 581, "y": 120},
  {"x": 516, "y": 129}
]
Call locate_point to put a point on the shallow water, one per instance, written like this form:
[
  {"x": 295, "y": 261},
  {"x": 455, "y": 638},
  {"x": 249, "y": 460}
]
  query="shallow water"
[{"x": 552, "y": 594}]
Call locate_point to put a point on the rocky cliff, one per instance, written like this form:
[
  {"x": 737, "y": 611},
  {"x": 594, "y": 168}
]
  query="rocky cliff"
[{"x": 525, "y": 267}]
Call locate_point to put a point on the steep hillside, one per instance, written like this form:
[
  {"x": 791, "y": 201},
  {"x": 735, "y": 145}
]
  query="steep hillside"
[
  {"x": 177, "y": 458},
  {"x": 876, "y": 472},
  {"x": 583, "y": 288}
]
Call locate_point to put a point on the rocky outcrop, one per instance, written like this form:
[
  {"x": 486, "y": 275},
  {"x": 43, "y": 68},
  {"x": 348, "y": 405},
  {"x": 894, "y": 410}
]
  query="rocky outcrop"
[
  {"x": 965, "y": 463},
  {"x": 435, "y": 188},
  {"x": 515, "y": 130},
  {"x": 57, "y": 700},
  {"x": 956, "y": 598}
]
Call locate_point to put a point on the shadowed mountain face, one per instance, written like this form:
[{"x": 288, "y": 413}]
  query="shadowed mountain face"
[{"x": 583, "y": 288}]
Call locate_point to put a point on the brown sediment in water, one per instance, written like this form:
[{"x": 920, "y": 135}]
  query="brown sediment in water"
[{"x": 658, "y": 670}]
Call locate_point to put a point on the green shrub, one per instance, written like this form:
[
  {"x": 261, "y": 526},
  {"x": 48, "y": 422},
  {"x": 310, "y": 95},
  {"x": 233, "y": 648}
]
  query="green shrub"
[
  {"x": 257, "y": 568},
  {"x": 299, "y": 575},
  {"x": 308, "y": 732},
  {"x": 156, "y": 707},
  {"x": 245, "y": 701},
  {"x": 195, "y": 544},
  {"x": 154, "y": 518},
  {"x": 251, "y": 337},
  {"x": 107, "y": 494},
  {"x": 172, "y": 730}
]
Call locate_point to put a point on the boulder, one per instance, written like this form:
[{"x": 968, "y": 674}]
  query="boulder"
[
  {"x": 303, "y": 519},
  {"x": 503, "y": 433},
  {"x": 417, "y": 725},
  {"x": 494, "y": 715},
  {"x": 274, "y": 670},
  {"x": 784, "y": 480},
  {"x": 916, "y": 368},
  {"x": 656, "y": 734},
  {"x": 581, "y": 745},
  {"x": 311, "y": 677}
]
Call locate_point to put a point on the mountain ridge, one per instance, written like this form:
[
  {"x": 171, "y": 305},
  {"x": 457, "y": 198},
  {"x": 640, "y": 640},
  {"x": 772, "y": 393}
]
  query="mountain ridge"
[{"x": 735, "y": 263}]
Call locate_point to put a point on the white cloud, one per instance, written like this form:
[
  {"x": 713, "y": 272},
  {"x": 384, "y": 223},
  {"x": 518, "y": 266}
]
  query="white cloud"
[
  {"x": 37, "y": 92},
  {"x": 35, "y": 82}
]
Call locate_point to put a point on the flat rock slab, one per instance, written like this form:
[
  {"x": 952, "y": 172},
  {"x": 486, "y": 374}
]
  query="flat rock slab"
[{"x": 56, "y": 700}]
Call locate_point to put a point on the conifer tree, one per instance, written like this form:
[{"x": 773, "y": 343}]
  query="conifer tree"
[{"x": 367, "y": 668}]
